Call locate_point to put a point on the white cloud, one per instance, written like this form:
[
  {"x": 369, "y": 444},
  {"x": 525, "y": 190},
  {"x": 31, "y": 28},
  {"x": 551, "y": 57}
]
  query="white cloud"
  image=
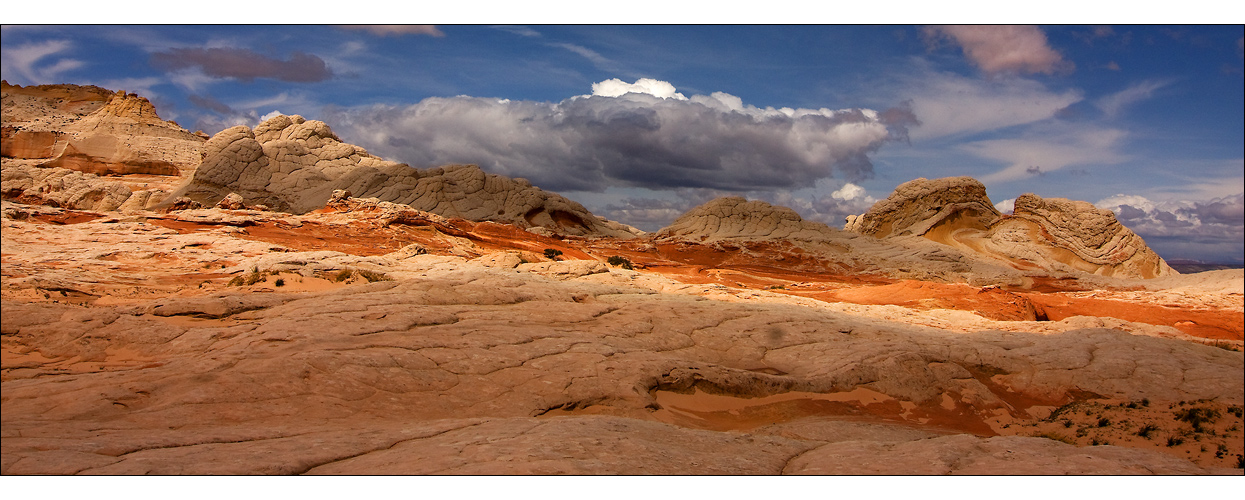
[
  {"x": 20, "y": 65},
  {"x": 848, "y": 192},
  {"x": 1004, "y": 49},
  {"x": 657, "y": 88},
  {"x": 1112, "y": 104},
  {"x": 1039, "y": 154},
  {"x": 1196, "y": 229},
  {"x": 951, "y": 105},
  {"x": 1006, "y": 206}
]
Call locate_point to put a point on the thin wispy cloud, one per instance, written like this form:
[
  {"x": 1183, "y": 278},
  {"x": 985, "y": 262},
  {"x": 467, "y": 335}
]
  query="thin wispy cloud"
[
  {"x": 952, "y": 105},
  {"x": 1004, "y": 49},
  {"x": 1112, "y": 105},
  {"x": 22, "y": 63},
  {"x": 1049, "y": 152}
]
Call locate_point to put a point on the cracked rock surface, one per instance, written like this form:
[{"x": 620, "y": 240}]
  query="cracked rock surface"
[{"x": 475, "y": 369}]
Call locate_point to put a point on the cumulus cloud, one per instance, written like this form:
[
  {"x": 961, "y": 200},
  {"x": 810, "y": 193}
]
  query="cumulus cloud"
[
  {"x": 615, "y": 87},
  {"x": 1003, "y": 49},
  {"x": 1112, "y": 104},
  {"x": 22, "y": 64},
  {"x": 398, "y": 29},
  {"x": 1006, "y": 206},
  {"x": 644, "y": 137},
  {"x": 1184, "y": 229},
  {"x": 243, "y": 64}
]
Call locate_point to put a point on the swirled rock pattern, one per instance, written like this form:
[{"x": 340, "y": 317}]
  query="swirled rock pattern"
[
  {"x": 293, "y": 164},
  {"x": 1044, "y": 234},
  {"x": 918, "y": 205}
]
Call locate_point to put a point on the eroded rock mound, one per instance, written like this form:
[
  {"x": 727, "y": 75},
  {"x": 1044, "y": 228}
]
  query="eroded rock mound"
[
  {"x": 735, "y": 218},
  {"x": 293, "y": 164},
  {"x": 919, "y": 205},
  {"x": 1050, "y": 234},
  {"x": 1098, "y": 242},
  {"x": 94, "y": 130}
]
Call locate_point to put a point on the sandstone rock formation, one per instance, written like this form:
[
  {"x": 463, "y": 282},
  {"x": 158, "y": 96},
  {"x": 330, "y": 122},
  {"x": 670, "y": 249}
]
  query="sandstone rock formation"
[
  {"x": 94, "y": 130},
  {"x": 1098, "y": 242},
  {"x": 917, "y": 206},
  {"x": 292, "y": 164},
  {"x": 735, "y": 218},
  {"x": 1052, "y": 235}
]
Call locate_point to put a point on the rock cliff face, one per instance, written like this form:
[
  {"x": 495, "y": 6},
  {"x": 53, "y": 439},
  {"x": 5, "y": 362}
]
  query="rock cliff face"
[
  {"x": 1052, "y": 234},
  {"x": 293, "y": 164},
  {"x": 735, "y": 218},
  {"x": 1097, "y": 242},
  {"x": 94, "y": 130},
  {"x": 919, "y": 205}
]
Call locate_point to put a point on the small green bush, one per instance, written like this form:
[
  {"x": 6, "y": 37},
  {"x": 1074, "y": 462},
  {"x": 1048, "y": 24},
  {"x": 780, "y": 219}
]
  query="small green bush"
[
  {"x": 552, "y": 253},
  {"x": 279, "y": 282},
  {"x": 1146, "y": 430},
  {"x": 372, "y": 276},
  {"x": 1174, "y": 441},
  {"x": 620, "y": 261},
  {"x": 343, "y": 275}
]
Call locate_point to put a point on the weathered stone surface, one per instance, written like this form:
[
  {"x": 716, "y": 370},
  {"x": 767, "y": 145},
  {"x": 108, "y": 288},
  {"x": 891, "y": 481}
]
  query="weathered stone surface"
[
  {"x": 455, "y": 366},
  {"x": 918, "y": 205},
  {"x": 93, "y": 130},
  {"x": 294, "y": 165},
  {"x": 1099, "y": 243},
  {"x": 969, "y": 455},
  {"x": 1053, "y": 235},
  {"x": 62, "y": 187}
]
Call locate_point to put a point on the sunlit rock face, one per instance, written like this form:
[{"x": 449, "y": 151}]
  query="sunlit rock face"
[
  {"x": 1051, "y": 234},
  {"x": 292, "y": 164}
]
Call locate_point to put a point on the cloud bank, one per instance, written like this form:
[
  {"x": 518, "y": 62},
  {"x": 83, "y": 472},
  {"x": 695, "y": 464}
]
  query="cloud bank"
[
  {"x": 642, "y": 134},
  {"x": 243, "y": 64},
  {"x": 1198, "y": 229}
]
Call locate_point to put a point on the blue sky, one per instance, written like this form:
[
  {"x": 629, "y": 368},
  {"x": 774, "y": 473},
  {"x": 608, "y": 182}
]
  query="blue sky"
[{"x": 1148, "y": 121}]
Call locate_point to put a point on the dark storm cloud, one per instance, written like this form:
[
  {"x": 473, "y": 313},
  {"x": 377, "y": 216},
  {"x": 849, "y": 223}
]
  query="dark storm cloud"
[
  {"x": 244, "y": 64},
  {"x": 588, "y": 143},
  {"x": 1187, "y": 229}
]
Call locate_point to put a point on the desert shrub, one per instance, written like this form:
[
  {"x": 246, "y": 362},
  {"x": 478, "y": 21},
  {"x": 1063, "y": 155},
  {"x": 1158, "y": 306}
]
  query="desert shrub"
[
  {"x": 1103, "y": 422},
  {"x": 1236, "y": 410},
  {"x": 1067, "y": 423},
  {"x": 1174, "y": 441},
  {"x": 1240, "y": 461},
  {"x": 248, "y": 279},
  {"x": 372, "y": 276},
  {"x": 1197, "y": 416},
  {"x": 1146, "y": 430},
  {"x": 1145, "y": 402},
  {"x": 620, "y": 261},
  {"x": 552, "y": 253},
  {"x": 343, "y": 275},
  {"x": 279, "y": 282}
]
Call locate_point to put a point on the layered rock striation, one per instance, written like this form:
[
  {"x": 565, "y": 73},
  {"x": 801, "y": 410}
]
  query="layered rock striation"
[
  {"x": 1051, "y": 234},
  {"x": 94, "y": 130},
  {"x": 292, "y": 164},
  {"x": 917, "y": 206}
]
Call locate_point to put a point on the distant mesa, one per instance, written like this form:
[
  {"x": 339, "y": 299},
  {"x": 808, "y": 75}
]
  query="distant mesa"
[
  {"x": 293, "y": 165},
  {"x": 1054, "y": 233},
  {"x": 735, "y": 218}
]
